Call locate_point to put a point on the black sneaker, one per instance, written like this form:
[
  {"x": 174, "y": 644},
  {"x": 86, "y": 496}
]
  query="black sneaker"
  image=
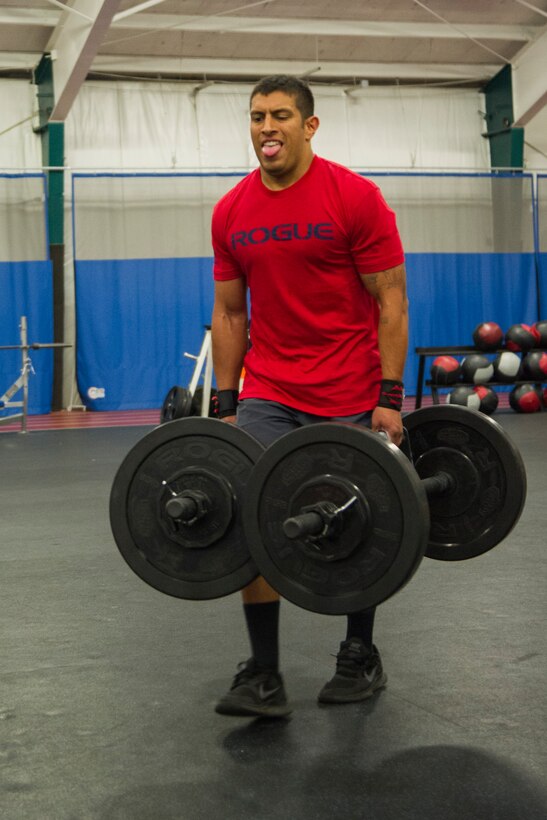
[
  {"x": 255, "y": 693},
  {"x": 358, "y": 674}
]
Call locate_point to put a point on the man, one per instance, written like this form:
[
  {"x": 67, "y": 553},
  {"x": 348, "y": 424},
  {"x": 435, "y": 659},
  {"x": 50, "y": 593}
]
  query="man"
[{"x": 318, "y": 250}]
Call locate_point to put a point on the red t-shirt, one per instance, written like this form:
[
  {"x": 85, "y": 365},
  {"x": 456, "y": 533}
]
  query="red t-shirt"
[{"x": 314, "y": 343}]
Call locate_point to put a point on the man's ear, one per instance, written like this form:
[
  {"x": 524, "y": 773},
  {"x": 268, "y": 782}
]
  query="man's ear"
[{"x": 311, "y": 125}]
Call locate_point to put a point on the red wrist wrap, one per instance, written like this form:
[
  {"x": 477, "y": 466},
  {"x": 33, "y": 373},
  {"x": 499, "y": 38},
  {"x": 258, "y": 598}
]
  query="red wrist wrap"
[{"x": 392, "y": 393}]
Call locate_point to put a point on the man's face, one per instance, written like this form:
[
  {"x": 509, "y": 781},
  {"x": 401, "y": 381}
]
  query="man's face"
[{"x": 281, "y": 138}]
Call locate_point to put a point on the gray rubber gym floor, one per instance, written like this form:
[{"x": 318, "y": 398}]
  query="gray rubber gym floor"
[{"x": 108, "y": 686}]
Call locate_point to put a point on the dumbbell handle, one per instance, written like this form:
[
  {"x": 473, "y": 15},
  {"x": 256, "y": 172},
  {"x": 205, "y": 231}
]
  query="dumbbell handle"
[
  {"x": 438, "y": 483},
  {"x": 188, "y": 506},
  {"x": 324, "y": 518},
  {"x": 310, "y": 523},
  {"x": 313, "y": 523},
  {"x": 182, "y": 509}
]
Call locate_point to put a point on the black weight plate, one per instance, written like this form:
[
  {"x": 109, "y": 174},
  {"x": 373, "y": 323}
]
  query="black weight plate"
[
  {"x": 176, "y": 405},
  {"x": 198, "y": 452},
  {"x": 489, "y": 475},
  {"x": 393, "y": 541}
]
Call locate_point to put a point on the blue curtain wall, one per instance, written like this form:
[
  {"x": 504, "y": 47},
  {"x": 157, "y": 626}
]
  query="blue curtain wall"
[
  {"x": 450, "y": 294},
  {"x": 27, "y": 290},
  {"x": 135, "y": 320},
  {"x": 542, "y": 284}
]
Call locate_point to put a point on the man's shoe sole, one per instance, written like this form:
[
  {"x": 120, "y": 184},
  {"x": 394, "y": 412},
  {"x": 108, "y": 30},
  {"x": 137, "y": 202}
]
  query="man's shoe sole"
[{"x": 354, "y": 697}]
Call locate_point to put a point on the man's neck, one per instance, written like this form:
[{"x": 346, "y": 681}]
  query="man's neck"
[{"x": 279, "y": 183}]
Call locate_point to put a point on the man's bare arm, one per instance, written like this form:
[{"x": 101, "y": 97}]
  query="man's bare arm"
[
  {"x": 388, "y": 287},
  {"x": 229, "y": 332}
]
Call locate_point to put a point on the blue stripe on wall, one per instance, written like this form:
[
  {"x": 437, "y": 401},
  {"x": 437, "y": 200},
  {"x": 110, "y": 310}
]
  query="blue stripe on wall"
[
  {"x": 450, "y": 294},
  {"x": 135, "y": 321},
  {"x": 542, "y": 262},
  {"x": 27, "y": 290},
  {"x": 136, "y": 318}
]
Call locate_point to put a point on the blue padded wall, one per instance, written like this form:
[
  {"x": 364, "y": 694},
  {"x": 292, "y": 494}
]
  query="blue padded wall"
[
  {"x": 136, "y": 318},
  {"x": 27, "y": 290},
  {"x": 450, "y": 294}
]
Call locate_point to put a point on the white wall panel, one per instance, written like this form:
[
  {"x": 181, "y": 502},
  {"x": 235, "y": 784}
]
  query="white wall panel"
[{"x": 20, "y": 147}]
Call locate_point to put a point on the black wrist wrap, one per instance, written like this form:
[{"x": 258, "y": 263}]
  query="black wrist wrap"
[
  {"x": 392, "y": 393},
  {"x": 227, "y": 403}
]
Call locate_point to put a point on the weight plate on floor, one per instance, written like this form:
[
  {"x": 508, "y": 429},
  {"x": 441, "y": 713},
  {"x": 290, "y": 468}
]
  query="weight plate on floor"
[
  {"x": 324, "y": 461},
  {"x": 176, "y": 405},
  {"x": 488, "y": 475},
  {"x": 200, "y": 463}
]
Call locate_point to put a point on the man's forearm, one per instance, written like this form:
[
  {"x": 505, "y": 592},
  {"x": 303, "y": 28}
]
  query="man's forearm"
[
  {"x": 229, "y": 338},
  {"x": 393, "y": 342}
]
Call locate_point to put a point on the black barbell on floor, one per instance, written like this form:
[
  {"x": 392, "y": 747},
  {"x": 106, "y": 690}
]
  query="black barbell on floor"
[{"x": 333, "y": 516}]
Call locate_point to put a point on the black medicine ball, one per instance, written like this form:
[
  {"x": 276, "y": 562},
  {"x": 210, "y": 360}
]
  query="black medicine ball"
[
  {"x": 477, "y": 369},
  {"x": 525, "y": 398},
  {"x": 507, "y": 367},
  {"x": 476, "y": 398},
  {"x": 535, "y": 365},
  {"x": 464, "y": 396},
  {"x": 488, "y": 399},
  {"x": 541, "y": 330},
  {"x": 521, "y": 337}
]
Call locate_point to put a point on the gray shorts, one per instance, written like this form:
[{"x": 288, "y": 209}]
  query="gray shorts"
[{"x": 268, "y": 420}]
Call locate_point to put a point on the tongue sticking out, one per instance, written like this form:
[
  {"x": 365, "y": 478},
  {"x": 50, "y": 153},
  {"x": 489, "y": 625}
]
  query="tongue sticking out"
[{"x": 271, "y": 150}]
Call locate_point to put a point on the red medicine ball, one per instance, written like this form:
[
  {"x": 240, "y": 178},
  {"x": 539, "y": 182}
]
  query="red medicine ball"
[
  {"x": 535, "y": 365},
  {"x": 525, "y": 398},
  {"x": 445, "y": 370},
  {"x": 488, "y": 336},
  {"x": 521, "y": 337}
]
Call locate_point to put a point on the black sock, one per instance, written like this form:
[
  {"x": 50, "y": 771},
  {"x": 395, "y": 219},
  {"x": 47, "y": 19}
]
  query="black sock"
[
  {"x": 360, "y": 625},
  {"x": 263, "y": 627}
]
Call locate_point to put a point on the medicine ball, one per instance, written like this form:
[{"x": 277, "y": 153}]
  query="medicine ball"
[
  {"x": 488, "y": 336},
  {"x": 535, "y": 365},
  {"x": 477, "y": 398},
  {"x": 488, "y": 399},
  {"x": 445, "y": 370},
  {"x": 525, "y": 398},
  {"x": 507, "y": 367},
  {"x": 465, "y": 396},
  {"x": 477, "y": 369},
  {"x": 521, "y": 337},
  {"x": 541, "y": 330}
]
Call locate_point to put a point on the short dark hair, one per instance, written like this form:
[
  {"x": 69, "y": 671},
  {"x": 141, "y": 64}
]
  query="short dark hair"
[{"x": 292, "y": 86}]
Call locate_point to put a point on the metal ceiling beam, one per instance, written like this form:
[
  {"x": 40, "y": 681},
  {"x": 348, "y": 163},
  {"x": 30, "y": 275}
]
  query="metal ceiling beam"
[
  {"x": 146, "y": 4},
  {"x": 76, "y": 44},
  {"x": 258, "y": 68},
  {"x": 132, "y": 19},
  {"x": 223, "y": 23},
  {"x": 530, "y": 80}
]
